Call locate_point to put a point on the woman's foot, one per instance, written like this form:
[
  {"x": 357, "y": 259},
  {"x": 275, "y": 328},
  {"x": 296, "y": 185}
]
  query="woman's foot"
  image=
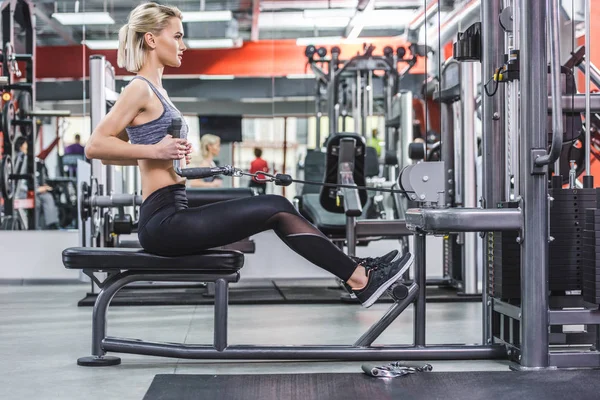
[
  {"x": 380, "y": 277},
  {"x": 365, "y": 262}
]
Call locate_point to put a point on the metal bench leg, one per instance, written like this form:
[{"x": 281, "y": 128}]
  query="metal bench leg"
[
  {"x": 110, "y": 288},
  {"x": 390, "y": 316},
  {"x": 420, "y": 280},
  {"x": 221, "y": 305}
]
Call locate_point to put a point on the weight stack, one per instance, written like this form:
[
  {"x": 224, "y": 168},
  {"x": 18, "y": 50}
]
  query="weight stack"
[
  {"x": 505, "y": 264},
  {"x": 567, "y": 219},
  {"x": 590, "y": 267}
]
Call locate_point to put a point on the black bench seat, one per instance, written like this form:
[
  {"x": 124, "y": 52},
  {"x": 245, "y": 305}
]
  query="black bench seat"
[{"x": 107, "y": 259}]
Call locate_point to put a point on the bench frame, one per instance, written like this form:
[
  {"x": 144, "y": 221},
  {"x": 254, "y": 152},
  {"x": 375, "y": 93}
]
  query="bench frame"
[{"x": 361, "y": 350}]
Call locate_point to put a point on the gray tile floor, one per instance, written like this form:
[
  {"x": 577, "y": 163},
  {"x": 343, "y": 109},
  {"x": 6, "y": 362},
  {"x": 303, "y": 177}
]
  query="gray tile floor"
[{"x": 43, "y": 332}]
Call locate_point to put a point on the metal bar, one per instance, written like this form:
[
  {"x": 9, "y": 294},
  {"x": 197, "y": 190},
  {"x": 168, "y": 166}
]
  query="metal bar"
[
  {"x": 351, "y": 236},
  {"x": 493, "y": 132},
  {"x": 504, "y": 308},
  {"x": 588, "y": 89},
  {"x": 553, "y": 25},
  {"x": 588, "y": 359},
  {"x": 469, "y": 249},
  {"x": 447, "y": 138},
  {"x": 378, "y": 227},
  {"x": 420, "y": 275},
  {"x": 350, "y": 353},
  {"x": 574, "y": 317},
  {"x": 390, "y": 316},
  {"x": 221, "y": 305},
  {"x": 100, "y": 307},
  {"x": 534, "y": 186},
  {"x": 332, "y": 100},
  {"x": 116, "y": 200},
  {"x": 463, "y": 220},
  {"x": 357, "y": 101},
  {"x": 49, "y": 113},
  {"x": 577, "y": 103},
  {"x": 406, "y": 127},
  {"x": 97, "y": 106}
]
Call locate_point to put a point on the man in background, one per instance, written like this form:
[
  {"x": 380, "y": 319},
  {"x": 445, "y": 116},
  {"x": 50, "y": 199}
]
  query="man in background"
[
  {"x": 75, "y": 148},
  {"x": 258, "y": 165}
]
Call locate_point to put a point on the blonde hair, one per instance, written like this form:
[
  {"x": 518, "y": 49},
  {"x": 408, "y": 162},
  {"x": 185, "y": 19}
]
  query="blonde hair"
[
  {"x": 147, "y": 17},
  {"x": 207, "y": 140}
]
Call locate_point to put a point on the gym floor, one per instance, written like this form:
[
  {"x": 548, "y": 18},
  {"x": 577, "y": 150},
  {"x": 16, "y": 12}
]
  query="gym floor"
[{"x": 43, "y": 332}]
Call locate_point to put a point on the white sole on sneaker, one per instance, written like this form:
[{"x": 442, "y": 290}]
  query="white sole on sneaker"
[
  {"x": 353, "y": 296},
  {"x": 371, "y": 300}
]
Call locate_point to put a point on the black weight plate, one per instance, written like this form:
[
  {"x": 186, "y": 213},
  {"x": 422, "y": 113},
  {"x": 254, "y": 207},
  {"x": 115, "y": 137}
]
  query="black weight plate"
[
  {"x": 8, "y": 185},
  {"x": 25, "y": 104},
  {"x": 8, "y": 114}
]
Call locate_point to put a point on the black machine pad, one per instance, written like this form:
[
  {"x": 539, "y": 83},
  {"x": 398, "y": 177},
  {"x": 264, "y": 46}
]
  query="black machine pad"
[
  {"x": 106, "y": 259},
  {"x": 328, "y": 201}
]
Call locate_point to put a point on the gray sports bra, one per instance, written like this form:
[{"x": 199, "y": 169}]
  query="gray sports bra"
[{"x": 153, "y": 131}]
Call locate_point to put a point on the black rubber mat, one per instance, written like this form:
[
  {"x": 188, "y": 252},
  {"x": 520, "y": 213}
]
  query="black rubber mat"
[
  {"x": 542, "y": 385},
  {"x": 270, "y": 293}
]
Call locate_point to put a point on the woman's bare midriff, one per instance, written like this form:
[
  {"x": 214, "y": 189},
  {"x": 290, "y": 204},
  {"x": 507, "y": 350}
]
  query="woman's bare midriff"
[{"x": 157, "y": 174}]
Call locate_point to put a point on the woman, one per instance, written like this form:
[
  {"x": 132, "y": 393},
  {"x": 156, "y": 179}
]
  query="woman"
[
  {"x": 150, "y": 41},
  {"x": 210, "y": 147}
]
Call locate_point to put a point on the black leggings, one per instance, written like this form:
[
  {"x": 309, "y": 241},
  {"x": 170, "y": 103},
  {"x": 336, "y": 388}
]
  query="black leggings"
[{"x": 168, "y": 227}]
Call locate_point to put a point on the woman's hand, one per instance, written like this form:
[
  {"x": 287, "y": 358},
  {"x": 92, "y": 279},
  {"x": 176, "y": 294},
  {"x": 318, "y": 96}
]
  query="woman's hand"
[
  {"x": 188, "y": 151},
  {"x": 170, "y": 149}
]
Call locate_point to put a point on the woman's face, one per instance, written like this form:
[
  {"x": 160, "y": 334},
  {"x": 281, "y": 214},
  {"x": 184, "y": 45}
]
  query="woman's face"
[
  {"x": 169, "y": 44},
  {"x": 215, "y": 148}
]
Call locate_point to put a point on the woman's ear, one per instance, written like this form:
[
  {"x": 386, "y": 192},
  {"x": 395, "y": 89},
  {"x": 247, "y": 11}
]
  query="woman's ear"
[{"x": 150, "y": 40}]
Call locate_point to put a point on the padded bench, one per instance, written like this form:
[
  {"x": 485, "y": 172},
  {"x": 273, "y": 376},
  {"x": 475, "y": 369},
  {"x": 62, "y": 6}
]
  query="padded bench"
[{"x": 127, "y": 265}]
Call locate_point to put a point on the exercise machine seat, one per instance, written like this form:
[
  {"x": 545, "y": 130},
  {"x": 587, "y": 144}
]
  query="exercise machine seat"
[
  {"x": 198, "y": 197},
  {"x": 331, "y": 224},
  {"x": 314, "y": 170},
  {"x": 111, "y": 259}
]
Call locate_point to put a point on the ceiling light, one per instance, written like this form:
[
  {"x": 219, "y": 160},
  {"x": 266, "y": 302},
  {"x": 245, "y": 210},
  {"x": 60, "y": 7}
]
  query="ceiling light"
[
  {"x": 325, "y": 40},
  {"x": 84, "y": 18},
  {"x": 101, "y": 44},
  {"x": 300, "y": 76},
  {"x": 207, "y": 16},
  {"x": 296, "y": 20},
  {"x": 217, "y": 77},
  {"x": 213, "y": 43}
]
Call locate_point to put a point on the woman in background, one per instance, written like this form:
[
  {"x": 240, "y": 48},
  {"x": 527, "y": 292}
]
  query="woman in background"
[{"x": 210, "y": 147}]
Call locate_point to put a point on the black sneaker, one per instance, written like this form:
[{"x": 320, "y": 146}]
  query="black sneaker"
[
  {"x": 365, "y": 262},
  {"x": 381, "y": 277}
]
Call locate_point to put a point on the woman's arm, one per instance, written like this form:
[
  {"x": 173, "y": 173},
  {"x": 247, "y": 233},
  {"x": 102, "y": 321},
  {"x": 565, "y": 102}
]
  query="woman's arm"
[
  {"x": 124, "y": 137},
  {"x": 105, "y": 143}
]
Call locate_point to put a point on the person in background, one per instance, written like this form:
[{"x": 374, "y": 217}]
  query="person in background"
[
  {"x": 258, "y": 165},
  {"x": 75, "y": 148},
  {"x": 44, "y": 201},
  {"x": 374, "y": 142},
  {"x": 210, "y": 147}
]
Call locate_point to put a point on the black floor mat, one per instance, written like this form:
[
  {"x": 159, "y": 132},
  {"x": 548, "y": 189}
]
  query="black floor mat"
[
  {"x": 270, "y": 293},
  {"x": 542, "y": 385}
]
